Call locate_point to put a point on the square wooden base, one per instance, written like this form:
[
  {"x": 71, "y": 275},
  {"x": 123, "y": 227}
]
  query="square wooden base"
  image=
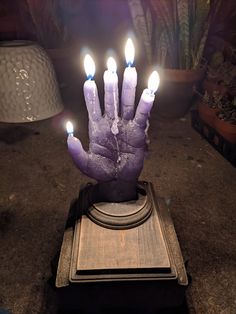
[{"x": 137, "y": 269}]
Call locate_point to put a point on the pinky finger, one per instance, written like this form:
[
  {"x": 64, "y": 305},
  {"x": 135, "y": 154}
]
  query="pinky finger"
[{"x": 144, "y": 108}]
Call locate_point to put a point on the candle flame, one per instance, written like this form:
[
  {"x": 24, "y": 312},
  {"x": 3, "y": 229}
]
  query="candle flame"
[
  {"x": 153, "y": 82},
  {"x": 129, "y": 52},
  {"x": 111, "y": 65},
  {"x": 69, "y": 127},
  {"x": 89, "y": 66}
]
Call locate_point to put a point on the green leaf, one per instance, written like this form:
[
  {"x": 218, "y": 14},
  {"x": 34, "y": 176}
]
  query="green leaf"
[
  {"x": 184, "y": 34},
  {"x": 140, "y": 24}
]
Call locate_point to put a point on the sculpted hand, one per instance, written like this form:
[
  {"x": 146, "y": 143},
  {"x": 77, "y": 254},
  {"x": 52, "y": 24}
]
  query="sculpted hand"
[{"x": 117, "y": 142}]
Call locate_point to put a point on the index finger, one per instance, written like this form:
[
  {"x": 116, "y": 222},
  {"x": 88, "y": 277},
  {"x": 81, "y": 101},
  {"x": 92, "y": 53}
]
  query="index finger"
[
  {"x": 92, "y": 100},
  {"x": 144, "y": 108}
]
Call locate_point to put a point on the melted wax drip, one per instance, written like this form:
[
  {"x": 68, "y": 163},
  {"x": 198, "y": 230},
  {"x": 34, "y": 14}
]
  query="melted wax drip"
[
  {"x": 114, "y": 128},
  {"x": 118, "y": 158},
  {"x": 115, "y": 131}
]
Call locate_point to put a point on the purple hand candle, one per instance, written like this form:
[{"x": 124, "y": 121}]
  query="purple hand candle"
[
  {"x": 117, "y": 144},
  {"x": 129, "y": 83}
]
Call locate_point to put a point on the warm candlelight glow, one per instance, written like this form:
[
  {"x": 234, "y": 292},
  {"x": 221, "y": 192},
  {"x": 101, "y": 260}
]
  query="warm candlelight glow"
[
  {"x": 89, "y": 66},
  {"x": 129, "y": 52},
  {"x": 69, "y": 128},
  {"x": 111, "y": 64},
  {"x": 153, "y": 82}
]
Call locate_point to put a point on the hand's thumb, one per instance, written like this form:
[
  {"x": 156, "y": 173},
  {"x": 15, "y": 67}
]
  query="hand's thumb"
[{"x": 78, "y": 154}]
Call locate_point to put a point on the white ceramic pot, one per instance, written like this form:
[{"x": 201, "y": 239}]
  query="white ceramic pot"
[{"x": 28, "y": 85}]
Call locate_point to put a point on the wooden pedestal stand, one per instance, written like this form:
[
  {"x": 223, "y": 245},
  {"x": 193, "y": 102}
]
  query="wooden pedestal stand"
[{"x": 127, "y": 259}]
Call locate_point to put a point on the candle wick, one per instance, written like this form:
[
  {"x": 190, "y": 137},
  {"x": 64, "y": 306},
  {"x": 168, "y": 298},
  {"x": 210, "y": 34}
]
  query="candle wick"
[{"x": 152, "y": 93}]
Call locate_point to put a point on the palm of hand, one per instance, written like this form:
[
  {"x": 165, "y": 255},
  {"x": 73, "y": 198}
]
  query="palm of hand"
[{"x": 115, "y": 156}]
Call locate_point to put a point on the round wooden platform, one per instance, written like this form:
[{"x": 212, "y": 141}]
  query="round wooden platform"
[{"x": 122, "y": 215}]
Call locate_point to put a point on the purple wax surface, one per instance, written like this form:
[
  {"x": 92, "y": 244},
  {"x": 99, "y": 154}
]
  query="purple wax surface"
[{"x": 113, "y": 157}]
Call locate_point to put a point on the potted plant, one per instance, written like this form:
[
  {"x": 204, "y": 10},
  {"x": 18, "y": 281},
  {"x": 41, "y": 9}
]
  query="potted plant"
[
  {"x": 213, "y": 81},
  {"x": 221, "y": 74},
  {"x": 208, "y": 106},
  {"x": 174, "y": 35},
  {"x": 225, "y": 123}
]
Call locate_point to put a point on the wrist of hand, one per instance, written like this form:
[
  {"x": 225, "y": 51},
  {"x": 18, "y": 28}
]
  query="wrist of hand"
[{"x": 115, "y": 191}]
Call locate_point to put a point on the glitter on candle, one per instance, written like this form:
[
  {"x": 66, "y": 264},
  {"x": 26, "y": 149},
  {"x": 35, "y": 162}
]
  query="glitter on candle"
[
  {"x": 111, "y": 65},
  {"x": 129, "y": 52},
  {"x": 69, "y": 128},
  {"x": 89, "y": 66},
  {"x": 153, "y": 82}
]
